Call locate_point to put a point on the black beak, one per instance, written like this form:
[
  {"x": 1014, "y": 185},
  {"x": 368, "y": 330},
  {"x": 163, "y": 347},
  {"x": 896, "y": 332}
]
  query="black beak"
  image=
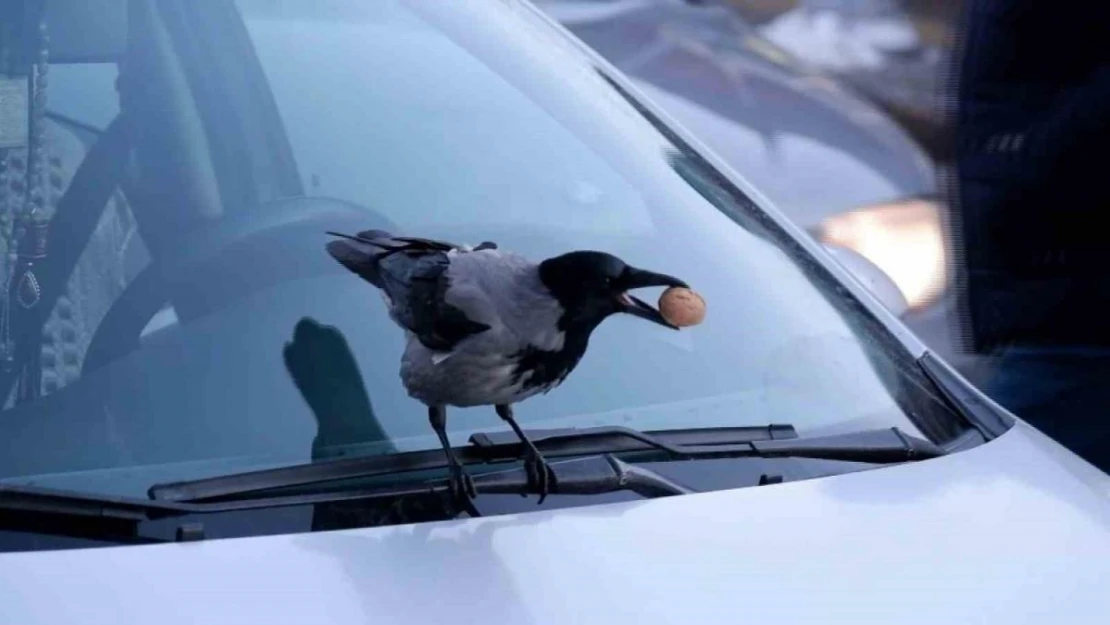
[{"x": 637, "y": 279}]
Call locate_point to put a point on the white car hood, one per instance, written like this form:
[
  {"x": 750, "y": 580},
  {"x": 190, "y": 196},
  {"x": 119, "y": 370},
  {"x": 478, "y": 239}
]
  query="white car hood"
[{"x": 1012, "y": 532}]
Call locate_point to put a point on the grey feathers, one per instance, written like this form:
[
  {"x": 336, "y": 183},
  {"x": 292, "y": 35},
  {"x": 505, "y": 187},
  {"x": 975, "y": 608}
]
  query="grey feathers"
[
  {"x": 488, "y": 327},
  {"x": 469, "y": 314},
  {"x": 413, "y": 275}
]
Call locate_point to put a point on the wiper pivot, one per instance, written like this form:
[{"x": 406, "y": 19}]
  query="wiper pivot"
[{"x": 592, "y": 475}]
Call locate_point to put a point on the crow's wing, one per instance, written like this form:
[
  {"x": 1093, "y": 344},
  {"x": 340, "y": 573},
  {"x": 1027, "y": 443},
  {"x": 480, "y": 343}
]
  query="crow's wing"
[
  {"x": 417, "y": 244},
  {"x": 413, "y": 274},
  {"x": 418, "y": 290}
]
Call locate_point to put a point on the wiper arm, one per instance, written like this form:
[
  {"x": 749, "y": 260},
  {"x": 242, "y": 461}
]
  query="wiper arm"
[
  {"x": 592, "y": 475},
  {"x": 881, "y": 446},
  {"x": 77, "y": 515}
]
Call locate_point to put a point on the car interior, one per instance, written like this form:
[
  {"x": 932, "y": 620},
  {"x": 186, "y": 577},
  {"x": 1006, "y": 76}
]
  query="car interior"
[
  {"x": 161, "y": 202},
  {"x": 129, "y": 231}
]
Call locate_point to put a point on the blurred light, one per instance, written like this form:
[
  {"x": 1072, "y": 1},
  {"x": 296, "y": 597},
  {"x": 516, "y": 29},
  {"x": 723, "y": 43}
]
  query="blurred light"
[
  {"x": 769, "y": 51},
  {"x": 903, "y": 239},
  {"x": 874, "y": 279}
]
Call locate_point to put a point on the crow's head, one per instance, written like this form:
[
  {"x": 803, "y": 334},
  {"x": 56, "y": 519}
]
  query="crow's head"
[{"x": 593, "y": 285}]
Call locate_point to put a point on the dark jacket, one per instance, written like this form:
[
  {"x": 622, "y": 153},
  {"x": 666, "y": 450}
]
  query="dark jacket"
[{"x": 1033, "y": 172}]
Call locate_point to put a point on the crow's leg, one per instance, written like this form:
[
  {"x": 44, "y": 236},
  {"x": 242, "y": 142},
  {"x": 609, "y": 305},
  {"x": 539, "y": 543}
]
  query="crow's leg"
[
  {"x": 462, "y": 486},
  {"x": 540, "y": 475}
]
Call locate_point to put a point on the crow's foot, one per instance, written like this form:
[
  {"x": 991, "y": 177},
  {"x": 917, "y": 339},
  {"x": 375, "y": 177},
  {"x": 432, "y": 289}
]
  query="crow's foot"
[
  {"x": 463, "y": 490},
  {"x": 541, "y": 478}
]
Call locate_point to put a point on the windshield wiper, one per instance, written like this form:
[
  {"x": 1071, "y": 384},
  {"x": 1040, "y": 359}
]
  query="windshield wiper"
[
  {"x": 119, "y": 519},
  {"x": 484, "y": 448},
  {"x": 881, "y": 446},
  {"x": 596, "y": 470}
]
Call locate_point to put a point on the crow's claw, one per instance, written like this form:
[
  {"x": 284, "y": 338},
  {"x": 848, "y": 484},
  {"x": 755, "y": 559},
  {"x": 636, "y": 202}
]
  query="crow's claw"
[
  {"x": 541, "y": 477},
  {"x": 463, "y": 490},
  {"x": 462, "y": 485}
]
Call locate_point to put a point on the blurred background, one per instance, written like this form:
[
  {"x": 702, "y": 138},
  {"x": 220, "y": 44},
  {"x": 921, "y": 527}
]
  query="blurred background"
[
  {"x": 834, "y": 109},
  {"x": 974, "y": 211},
  {"x": 892, "y": 51}
]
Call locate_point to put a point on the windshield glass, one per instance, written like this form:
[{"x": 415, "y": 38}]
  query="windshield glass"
[{"x": 217, "y": 141}]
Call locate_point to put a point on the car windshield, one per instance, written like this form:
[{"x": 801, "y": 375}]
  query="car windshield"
[{"x": 173, "y": 313}]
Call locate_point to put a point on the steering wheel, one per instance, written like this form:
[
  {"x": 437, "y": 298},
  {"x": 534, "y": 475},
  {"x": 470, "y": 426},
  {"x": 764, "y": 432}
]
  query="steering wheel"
[{"x": 210, "y": 268}]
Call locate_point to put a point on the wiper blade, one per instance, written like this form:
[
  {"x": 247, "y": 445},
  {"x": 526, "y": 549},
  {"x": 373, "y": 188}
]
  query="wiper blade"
[
  {"x": 882, "y": 446},
  {"x": 484, "y": 448}
]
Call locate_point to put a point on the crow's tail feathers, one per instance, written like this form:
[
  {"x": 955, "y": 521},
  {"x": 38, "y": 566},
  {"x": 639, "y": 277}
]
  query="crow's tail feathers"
[{"x": 361, "y": 253}]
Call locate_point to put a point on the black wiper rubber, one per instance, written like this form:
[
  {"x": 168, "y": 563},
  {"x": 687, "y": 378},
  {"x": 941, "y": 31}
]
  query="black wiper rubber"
[{"x": 882, "y": 446}]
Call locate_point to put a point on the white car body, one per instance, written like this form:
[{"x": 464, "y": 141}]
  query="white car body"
[{"x": 1014, "y": 531}]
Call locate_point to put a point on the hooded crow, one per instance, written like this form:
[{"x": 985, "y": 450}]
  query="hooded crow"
[{"x": 486, "y": 326}]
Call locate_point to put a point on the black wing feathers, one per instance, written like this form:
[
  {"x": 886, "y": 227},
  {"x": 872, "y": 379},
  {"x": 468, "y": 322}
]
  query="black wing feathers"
[
  {"x": 413, "y": 273},
  {"x": 437, "y": 324}
]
